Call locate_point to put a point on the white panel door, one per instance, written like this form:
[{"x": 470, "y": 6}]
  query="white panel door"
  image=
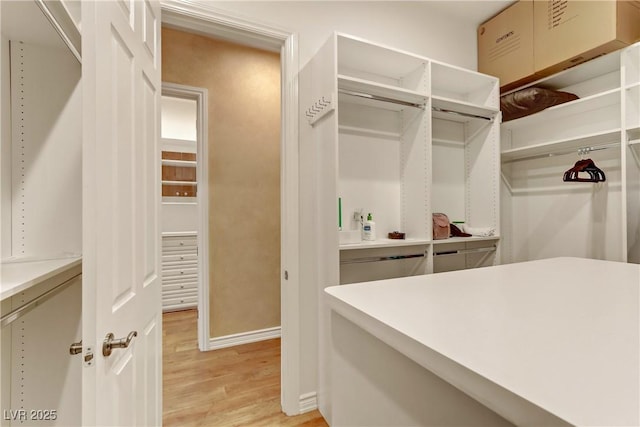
[{"x": 121, "y": 199}]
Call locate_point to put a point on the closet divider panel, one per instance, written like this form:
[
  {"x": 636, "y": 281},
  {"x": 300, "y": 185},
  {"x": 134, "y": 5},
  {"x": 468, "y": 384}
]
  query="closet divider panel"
[
  {"x": 46, "y": 151},
  {"x": 631, "y": 134}
]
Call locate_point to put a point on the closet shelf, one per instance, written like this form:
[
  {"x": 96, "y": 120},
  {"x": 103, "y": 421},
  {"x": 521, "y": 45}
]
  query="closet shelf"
[
  {"x": 574, "y": 143},
  {"x": 362, "y": 56},
  {"x": 384, "y": 243},
  {"x": 579, "y": 106},
  {"x": 449, "y": 81},
  {"x": 179, "y": 183},
  {"x": 465, "y": 111},
  {"x": 589, "y": 70},
  {"x": 179, "y": 163},
  {"x": 400, "y": 95}
]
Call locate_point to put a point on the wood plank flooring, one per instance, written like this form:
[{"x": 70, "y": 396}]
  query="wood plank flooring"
[{"x": 236, "y": 386}]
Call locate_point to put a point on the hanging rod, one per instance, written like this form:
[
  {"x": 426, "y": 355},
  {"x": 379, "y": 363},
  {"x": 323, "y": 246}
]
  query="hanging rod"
[
  {"x": 380, "y": 258},
  {"x": 24, "y": 309},
  {"x": 459, "y": 113},
  {"x": 582, "y": 151},
  {"x": 465, "y": 251},
  {"x": 380, "y": 98}
]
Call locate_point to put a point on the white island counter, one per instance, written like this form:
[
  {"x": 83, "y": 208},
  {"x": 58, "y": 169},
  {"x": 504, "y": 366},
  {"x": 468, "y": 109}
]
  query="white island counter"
[{"x": 553, "y": 342}]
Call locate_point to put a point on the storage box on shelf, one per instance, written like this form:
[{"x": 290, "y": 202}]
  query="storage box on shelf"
[
  {"x": 533, "y": 39},
  {"x": 375, "y": 153},
  {"x": 537, "y": 149}
]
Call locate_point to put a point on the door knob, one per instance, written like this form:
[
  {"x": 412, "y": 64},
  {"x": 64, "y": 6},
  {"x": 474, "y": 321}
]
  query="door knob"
[
  {"x": 110, "y": 342},
  {"x": 75, "y": 348}
]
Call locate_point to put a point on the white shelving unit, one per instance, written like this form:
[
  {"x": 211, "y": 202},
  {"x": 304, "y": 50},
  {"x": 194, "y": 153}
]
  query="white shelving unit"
[
  {"x": 545, "y": 217},
  {"x": 41, "y": 271},
  {"x": 179, "y": 271},
  {"x": 400, "y": 136}
]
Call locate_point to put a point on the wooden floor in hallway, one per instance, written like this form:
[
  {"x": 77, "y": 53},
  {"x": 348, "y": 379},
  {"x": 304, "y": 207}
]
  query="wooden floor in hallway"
[{"x": 236, "y": 386}]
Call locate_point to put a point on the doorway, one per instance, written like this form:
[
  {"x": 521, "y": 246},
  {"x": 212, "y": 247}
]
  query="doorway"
[
  {"x": 185, "y": 207},
  {"x": 205, "y": 20}
]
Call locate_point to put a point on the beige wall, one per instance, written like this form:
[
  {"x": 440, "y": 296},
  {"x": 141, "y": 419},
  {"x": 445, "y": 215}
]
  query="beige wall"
[{"x": 244, "y": 174}]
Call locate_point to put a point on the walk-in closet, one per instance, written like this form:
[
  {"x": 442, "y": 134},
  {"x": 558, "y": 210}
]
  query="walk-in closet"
[
  {"x": 41, "y": 215},
  {"x": 545, "y": 216}
]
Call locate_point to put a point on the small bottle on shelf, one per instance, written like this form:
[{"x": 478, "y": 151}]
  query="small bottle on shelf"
[{"x": 369, "y": 229}]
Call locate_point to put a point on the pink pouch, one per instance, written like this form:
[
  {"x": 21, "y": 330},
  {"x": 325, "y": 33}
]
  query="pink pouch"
[{"x": 441, "y": 226}]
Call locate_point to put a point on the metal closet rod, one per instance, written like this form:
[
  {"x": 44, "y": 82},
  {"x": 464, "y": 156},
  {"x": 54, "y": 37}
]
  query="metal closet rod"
[
  {"x": 24, "y": 309},
  {"x": 380, "y": 98},
  {"x": 582, "y": 151},
  {"x": 381, "y": 258},
  {"x": 459, "y": 113}
]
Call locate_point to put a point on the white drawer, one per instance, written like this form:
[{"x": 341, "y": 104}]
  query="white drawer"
[
  {"x": 180, "y": 265},
  {"x": 179, "y": 304},
  {"x": 182, "y": 257},
  {"x": 178, "y": 287},
  {"x": 175, "y": 293},
  {"x": 177, "y": 300},
  {"x": 171, "y": 242},
  {"x": 179, "y": 272}
]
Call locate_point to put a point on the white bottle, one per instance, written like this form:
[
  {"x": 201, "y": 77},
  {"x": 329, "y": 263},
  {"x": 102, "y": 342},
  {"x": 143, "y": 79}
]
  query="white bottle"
[{"x": 369, "y": 229}]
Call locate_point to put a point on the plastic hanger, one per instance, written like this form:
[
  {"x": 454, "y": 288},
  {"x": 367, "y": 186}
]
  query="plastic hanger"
[{"x": 595, "y": 174}]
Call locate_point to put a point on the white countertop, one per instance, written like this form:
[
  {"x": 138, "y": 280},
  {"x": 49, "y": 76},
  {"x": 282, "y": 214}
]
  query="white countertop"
[
  {"x": 562, "y": 334},
  {"x": 19, "y": 275}
]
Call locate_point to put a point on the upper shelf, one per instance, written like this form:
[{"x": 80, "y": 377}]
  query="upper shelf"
[
  {"x": 589, "y": 70},
  {"x": 579, "y": 106},
  {"x": 566, "y": 144},
  {"x": 358, "y": 56}
]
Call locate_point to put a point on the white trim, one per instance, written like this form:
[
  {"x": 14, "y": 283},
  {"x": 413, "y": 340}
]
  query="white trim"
[
  {"x": 243, "y": 338},
  {"x": 204, "y": 19},
  {"x": 308, "y": 402},
  {"x": 200, "y": 95}
]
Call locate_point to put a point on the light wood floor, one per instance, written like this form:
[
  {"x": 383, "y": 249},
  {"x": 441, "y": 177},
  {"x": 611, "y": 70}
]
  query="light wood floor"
[{"x": 236, "y": 386}]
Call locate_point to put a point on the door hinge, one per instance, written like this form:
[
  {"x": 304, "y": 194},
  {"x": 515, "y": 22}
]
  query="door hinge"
[{"x": 286, "y": 275}]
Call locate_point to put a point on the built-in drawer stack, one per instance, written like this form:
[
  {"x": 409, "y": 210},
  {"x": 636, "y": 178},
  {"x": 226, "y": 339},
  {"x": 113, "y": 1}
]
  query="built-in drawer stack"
[{"x": 179, "y": 271}]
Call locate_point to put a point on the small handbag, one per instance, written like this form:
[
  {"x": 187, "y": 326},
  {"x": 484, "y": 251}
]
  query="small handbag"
[{"x": 441, "y": 226}]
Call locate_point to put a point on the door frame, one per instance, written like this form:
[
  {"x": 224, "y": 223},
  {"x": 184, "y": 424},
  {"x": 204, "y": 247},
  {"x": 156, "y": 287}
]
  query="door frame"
[
  {"x": 200, "y": 95},
  {"x": 207, "y": 20}
]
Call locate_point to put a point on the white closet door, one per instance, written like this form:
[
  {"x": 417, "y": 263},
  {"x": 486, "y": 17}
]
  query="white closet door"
[{"x": 121, "y": 197}]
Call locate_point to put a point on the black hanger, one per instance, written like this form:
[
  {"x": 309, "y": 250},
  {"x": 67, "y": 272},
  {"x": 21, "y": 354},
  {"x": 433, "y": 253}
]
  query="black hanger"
[{"x": 585, "y": 165}]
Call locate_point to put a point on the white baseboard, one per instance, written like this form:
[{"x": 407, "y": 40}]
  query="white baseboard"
[
  {"x": 243, "y": 338},
  {"x": 308, "y": 402}
]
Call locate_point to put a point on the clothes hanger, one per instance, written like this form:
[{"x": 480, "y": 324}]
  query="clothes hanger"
[{"x": 584, "y": 165}]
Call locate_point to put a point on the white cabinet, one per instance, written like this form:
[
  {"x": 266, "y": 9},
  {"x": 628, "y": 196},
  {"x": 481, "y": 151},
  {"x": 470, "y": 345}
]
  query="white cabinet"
[
  {"x": 179, "y": 271},
  {"x": 399, "y": 136},
  {"x": 546, "y": 217}
]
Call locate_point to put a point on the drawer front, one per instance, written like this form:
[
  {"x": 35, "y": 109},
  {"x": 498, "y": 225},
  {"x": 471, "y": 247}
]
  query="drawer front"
[
  {"x": 180, "y": 303},
  {"x": 182, "y": 265},
  {"x": 177, "y": 242},
  {"x": 179, "y": 287},
  {"x": 178, "y": 300},
  {"x": 179, "y": 258},
  {"x": 179, "y": 293},
  {"x": 179, "y": 272}
]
